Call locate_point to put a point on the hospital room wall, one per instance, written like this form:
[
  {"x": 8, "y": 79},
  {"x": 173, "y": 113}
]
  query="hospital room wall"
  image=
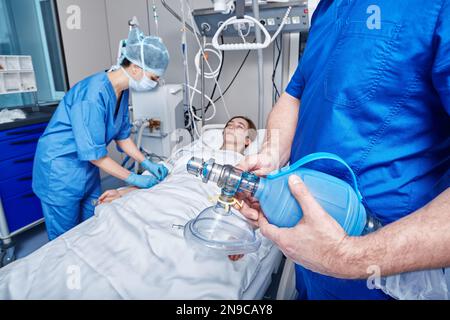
[{"x": 91, "y": 31}]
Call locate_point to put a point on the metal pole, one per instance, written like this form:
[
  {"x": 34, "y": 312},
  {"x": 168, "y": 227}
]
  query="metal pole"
[
  {"x": 35, "y": 106},
  {"x": 260, "y": 69},
  {"x": 173, "y": 13},
  {"x": 203, "y": 82},
  {"x": 186, "y": 90},
  {"x": 5, "y": 236}
]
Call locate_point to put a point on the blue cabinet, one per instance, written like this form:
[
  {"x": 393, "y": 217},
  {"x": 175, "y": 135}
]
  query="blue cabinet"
[
  {"x": 17, "y": 149},
  {"x": 22, "y": 210}
]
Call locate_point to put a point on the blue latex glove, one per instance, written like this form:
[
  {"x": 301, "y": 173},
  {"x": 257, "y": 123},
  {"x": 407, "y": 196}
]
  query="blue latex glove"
[
  {"x": 158, "y": 170},
  {"x": 141, "y": 181}
]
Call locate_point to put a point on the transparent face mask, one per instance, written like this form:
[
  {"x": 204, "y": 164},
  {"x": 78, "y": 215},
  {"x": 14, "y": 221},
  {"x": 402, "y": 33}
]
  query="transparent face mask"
[{"x": 223, "y": 230}]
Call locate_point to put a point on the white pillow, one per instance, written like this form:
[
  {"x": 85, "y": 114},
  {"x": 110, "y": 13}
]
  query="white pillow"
[
  {"x": 212, "y": 137},
  {"x": 256, "y": 144}
]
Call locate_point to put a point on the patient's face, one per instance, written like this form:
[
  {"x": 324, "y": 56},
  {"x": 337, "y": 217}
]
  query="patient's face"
[{"x": 236, "y": 133}]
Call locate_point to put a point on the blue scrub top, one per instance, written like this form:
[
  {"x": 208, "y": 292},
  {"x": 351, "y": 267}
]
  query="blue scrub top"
[
  {"x": 80, "y": 130},
  {"x": 380, "y": 99}
]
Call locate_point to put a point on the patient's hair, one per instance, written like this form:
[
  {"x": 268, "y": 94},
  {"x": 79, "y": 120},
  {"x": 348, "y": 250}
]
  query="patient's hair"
[
  {"x": 125, "y": 63},
  {"x": 251, "y": 126}
]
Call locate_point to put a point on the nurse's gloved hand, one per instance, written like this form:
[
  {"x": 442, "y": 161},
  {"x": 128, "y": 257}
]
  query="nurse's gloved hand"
[
  {"x": 158, "y": 170},
  {"x": 141, "y": 181}
]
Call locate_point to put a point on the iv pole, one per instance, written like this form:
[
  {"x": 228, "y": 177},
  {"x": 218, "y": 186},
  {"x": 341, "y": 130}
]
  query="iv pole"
[
  {"x": 240, "y": 12},
  {"x": 202, "y": 65},
  {"x": 186, "y": 26},
  {"x": 260, "y": 68}
]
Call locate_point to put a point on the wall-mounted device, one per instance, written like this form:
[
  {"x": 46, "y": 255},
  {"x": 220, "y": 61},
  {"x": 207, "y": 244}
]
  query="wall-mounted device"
[{"x": 271, "y": 16}]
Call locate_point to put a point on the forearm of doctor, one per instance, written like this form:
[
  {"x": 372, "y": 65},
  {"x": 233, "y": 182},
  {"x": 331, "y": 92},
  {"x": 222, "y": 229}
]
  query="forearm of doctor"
[
  {"x": 130, "y": 148},
  {"x": 281, "y": 126},
  {"x": 419, "y": 241},
  {"x": 112, "y": 167}
]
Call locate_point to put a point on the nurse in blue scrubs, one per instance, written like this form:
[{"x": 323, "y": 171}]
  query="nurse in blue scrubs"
[{"x": 94, "y": 112}]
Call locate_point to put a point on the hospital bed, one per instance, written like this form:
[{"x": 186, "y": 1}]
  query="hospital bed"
[{"x": 133, "y": 248}]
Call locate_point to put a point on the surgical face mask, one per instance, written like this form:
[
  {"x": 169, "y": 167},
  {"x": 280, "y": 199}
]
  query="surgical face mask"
[{"x": 145, "y": 84}]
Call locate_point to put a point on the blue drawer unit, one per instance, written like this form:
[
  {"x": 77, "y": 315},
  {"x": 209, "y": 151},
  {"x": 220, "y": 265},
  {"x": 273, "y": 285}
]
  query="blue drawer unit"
[
  {"x": 22, "y": 210},
  {"x": 23, "y": 131},
  {"x": 18, "y": 146},
  {"x": 20, "y": 205},
  {"x": 17, "y": 166},
  {"x": 14, "y": 186}
]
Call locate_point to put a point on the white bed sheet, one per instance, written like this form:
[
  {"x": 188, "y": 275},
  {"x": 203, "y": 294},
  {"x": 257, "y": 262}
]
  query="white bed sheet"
[{"x": 131, "y": 250}]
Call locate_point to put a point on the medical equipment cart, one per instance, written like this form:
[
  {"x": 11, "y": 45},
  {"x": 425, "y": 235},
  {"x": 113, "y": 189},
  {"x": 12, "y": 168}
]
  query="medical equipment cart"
[{"x": 20, "y": 209}]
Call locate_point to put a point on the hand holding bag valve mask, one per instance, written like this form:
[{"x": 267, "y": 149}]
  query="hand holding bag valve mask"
[
  {"x": 342, "y": 201},
  {"x": 336, "y": 196}
]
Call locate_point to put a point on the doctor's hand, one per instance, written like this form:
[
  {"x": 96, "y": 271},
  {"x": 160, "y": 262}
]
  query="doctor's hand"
[
  {"x": 260, "y": 164},
  {"x": 317, "y": 242},
  {"x": 141, "y": 181},
  {"x": 158, "y": 170}
]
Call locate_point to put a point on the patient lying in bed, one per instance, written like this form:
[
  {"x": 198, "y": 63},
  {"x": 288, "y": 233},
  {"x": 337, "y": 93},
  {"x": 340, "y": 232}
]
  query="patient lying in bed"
[
  {"x": 238, "y": 133},
  {"x": 133, "y": 248}
]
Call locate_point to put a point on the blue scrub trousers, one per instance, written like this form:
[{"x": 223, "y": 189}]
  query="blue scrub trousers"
[
  {"x": 312, "y": 286},
  {"x": 59, "y": 219}
]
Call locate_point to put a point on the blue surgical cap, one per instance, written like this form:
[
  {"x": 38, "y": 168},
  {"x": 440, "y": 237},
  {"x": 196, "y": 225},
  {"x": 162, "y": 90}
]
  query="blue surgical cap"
[{"x": 148, "y": 52}]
